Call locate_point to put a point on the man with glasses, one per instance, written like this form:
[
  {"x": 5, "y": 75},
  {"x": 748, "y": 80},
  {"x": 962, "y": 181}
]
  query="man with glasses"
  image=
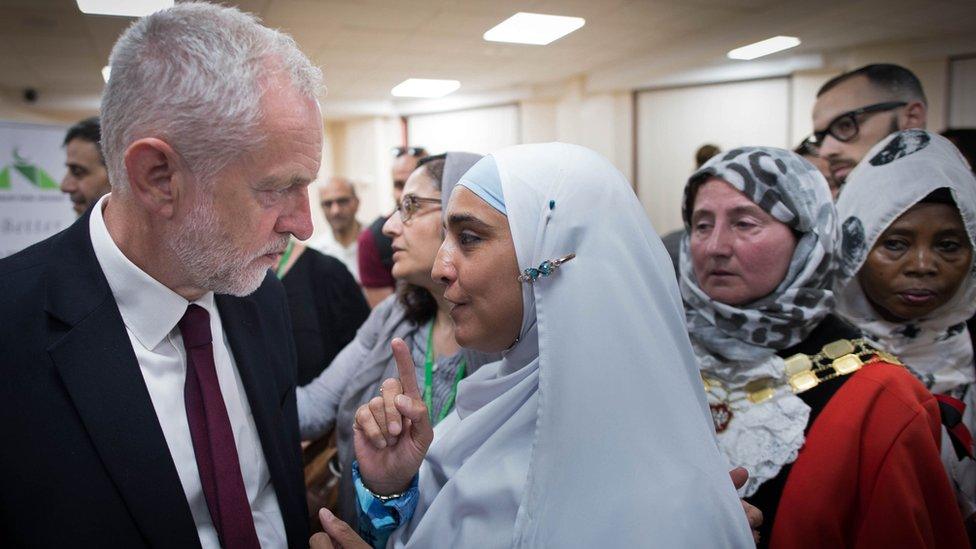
[
  {"x": 340, "y": 204},
  {"x": 856, "y": 110},
  {"x": 375, "y": 251}
]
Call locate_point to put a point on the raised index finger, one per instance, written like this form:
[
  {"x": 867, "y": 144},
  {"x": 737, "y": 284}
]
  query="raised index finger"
[{"x": 406, "y": 369}]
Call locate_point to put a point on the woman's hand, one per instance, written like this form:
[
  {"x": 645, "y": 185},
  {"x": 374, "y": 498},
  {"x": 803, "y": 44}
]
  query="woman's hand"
[
  {"x": 392, "y": 432},
  {"x": 753, "y": 514},
  {"x": 337, "y": 534}
]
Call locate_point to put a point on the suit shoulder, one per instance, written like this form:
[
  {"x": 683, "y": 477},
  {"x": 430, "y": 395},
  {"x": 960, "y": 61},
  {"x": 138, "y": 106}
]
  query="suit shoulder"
[{"x": 32, "y": 257}]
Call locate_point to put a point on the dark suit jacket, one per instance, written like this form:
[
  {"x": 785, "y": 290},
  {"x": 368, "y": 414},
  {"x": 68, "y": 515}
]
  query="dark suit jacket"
[{"x": 84, "y": 462}]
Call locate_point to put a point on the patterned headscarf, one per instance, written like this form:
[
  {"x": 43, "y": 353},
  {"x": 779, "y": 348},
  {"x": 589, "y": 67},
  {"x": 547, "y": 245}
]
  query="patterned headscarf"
[
  {"x": 896, "y": 174},
  {"x": 795, "y": 193},
  {"x": 738, "y": 344}
]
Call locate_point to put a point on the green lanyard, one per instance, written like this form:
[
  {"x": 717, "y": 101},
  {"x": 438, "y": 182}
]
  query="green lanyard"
[
  {"x": 280, "y": 271},
  {"x": 429, "y": 381}
]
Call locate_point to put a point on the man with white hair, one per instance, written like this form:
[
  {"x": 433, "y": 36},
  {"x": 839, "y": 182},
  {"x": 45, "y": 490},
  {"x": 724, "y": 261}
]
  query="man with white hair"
[{"x": 148, "y": 362}]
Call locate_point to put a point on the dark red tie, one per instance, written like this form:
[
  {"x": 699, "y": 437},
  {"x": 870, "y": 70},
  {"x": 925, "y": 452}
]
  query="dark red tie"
[{"x": 213, "y": 439}]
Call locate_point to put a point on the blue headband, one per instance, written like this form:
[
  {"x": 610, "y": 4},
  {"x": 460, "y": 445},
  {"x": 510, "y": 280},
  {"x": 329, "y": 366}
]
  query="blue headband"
[{"x": 483, "y": 180}]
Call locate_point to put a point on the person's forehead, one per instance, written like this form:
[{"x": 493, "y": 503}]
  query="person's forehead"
[
  {"x": 81, "y": 149},
  {"x": 716, "y": 195},
  {"x": 403, "y": 165},
  {"x": 851, "y": 94},
  {"x": 420, "y": 183},
  {"x": 336, "y": 188},
  {"x": 930, "y": 216}
]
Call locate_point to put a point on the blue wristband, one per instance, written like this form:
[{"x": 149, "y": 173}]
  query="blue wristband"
[{"x": 378, "y": 519}]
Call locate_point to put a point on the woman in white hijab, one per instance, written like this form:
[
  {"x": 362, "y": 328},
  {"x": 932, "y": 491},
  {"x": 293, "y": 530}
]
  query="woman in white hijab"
[
  {"x": 593, "y": 429},
  {"x": 908, "y": 282}
]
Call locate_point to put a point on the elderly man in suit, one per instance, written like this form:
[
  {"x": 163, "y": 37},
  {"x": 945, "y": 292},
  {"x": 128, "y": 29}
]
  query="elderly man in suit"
[{"x": 147, "y": 359}]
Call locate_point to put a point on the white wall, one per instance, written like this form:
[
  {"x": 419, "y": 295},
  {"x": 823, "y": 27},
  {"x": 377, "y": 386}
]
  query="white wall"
[
  {"x": 962, "y": 96},
  {"x": 360, "y": 150},
  {"x": 673, "y": 123},
  {"x": 481, "y": 130},
  {"x": 803, "y": 94}
]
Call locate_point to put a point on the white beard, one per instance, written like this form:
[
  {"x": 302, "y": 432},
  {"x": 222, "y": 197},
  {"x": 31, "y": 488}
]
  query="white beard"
[{"x": 208, "y": 258}]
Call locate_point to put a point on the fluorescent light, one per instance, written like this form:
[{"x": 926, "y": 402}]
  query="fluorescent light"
[
  {"x": 106, "y": 71},
  {"x": 533, "y": 28},
  {"x": 425, "y": 87},
  {"x": 126, "y": 8},
  {"x": 765, "y": 47}
]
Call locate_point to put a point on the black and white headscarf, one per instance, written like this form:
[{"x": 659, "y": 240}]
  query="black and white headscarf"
[
  {"x": 738, "y": 344},
  {"x": 896, "y": 174},
  {"x": 795, "y": 193}
]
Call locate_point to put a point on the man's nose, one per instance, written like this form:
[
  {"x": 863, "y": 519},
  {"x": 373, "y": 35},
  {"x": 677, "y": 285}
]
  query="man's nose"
[
  {"x": 297, "y": 218},
  {"x": 830, "y": 146},
  {"x": 68, "y": 184}
]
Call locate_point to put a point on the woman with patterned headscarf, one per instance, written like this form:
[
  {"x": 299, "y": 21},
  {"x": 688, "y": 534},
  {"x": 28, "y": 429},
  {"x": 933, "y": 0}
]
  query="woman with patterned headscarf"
[
  {"x": 841, "y": 443},
  {"x": 909, "y": 225}
]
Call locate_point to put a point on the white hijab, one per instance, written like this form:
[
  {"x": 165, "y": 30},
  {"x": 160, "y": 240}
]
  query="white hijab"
[
  {"x": 896, "y": 174},
  {"x": 593, "y": 429}
]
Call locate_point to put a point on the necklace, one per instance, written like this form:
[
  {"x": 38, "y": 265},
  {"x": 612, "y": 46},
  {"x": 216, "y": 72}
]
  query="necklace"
[{"x": 803, "y": 372}]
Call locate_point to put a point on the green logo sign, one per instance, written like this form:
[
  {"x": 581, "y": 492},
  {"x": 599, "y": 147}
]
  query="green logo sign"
[{"x": 35, "y": 174}]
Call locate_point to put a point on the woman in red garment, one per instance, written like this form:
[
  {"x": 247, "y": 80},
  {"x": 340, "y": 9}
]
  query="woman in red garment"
[{"x": 841, "y": 442}]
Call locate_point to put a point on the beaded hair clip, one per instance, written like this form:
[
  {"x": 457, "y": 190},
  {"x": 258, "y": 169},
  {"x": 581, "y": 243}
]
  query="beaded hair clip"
[{"x": 545, "y": 269}]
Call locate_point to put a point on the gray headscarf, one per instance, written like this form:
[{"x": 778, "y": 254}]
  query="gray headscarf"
[
  {"x": 794, "y": 192},
  {"x": 455, "y": 165}
]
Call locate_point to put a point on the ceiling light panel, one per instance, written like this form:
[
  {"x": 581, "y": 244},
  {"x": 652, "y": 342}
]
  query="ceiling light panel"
[
  {"x": 126, "y": 8},
  {"x": 765, "y": 47},
  {"x": 425, "y": 87},
  {"x": 533, "y": 28}
]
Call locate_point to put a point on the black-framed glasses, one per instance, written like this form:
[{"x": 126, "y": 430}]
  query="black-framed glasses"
[
  {"x": 397, "y": 152},
  {"x": 845, "y": 127},
  {"x": 410, "y": 203}
]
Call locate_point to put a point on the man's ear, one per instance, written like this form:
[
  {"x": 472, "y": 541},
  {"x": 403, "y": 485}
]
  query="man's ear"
[
  {"x": 915, "y": 115},
  {"x": 157, "y": 175}
]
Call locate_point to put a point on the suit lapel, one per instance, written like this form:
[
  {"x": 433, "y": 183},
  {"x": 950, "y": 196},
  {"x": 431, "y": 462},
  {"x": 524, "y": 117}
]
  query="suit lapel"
[
  {"x": 102, "y": 376},
  {"x": 256, "y": 363}
]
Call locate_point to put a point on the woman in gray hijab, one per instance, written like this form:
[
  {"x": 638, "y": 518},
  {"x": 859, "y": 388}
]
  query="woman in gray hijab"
[{"x": 417, "y": 313}]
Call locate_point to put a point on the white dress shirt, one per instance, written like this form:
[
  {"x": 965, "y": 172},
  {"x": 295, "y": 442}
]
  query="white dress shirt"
[
  {"x": 346, "y": 254},
  {"x": 150, "y": 312}
]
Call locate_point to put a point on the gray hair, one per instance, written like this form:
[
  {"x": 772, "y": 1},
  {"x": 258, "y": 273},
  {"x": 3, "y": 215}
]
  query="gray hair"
[{"x": 193, "y": 75}]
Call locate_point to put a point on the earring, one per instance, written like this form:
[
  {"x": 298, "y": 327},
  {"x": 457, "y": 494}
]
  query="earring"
[{"x": 545, "y": 269}]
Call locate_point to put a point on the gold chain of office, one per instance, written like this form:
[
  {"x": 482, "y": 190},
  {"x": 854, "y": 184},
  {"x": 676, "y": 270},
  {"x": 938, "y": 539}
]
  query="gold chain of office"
[{"x": 803, "y": 372}]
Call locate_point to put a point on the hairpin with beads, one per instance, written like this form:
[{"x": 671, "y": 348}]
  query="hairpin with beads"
[{"x": 544, "y": 269}]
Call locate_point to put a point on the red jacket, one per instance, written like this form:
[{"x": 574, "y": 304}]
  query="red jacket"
[{"x": 869, "y": 474}]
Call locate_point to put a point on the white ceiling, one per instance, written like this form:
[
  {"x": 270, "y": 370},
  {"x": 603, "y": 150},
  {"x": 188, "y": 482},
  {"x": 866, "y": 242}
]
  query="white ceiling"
[{"x": 366, "y": 47}]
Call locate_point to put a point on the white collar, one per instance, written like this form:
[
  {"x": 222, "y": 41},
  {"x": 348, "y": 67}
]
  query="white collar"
[{"x": 149, "y": 309}]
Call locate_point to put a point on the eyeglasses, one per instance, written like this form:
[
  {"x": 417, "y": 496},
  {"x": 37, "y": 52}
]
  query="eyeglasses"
[
  {"x": 410, "y": 203},
  {"x": 342, "y": 202},
  {"x": 844, "y": 128},
  {"x": 397, "y": 152}
]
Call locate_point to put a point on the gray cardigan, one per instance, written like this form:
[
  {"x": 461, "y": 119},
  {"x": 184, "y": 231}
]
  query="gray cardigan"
[{"x": 351, "y": 380}]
